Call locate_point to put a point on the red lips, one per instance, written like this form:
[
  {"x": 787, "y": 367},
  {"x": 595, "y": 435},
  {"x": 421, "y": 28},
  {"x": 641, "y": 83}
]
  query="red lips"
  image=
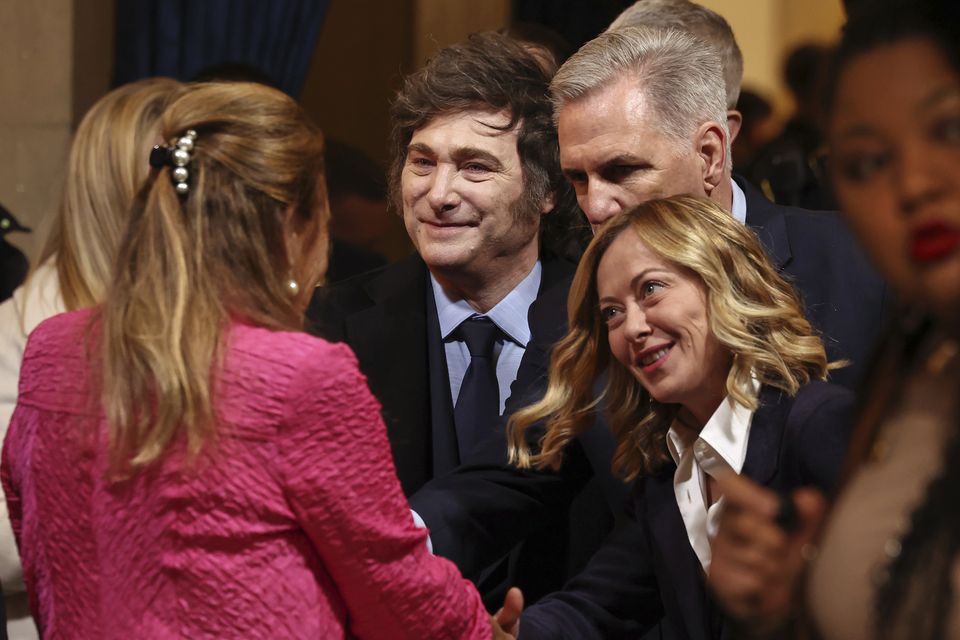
[{"x": 934, "y": 241}]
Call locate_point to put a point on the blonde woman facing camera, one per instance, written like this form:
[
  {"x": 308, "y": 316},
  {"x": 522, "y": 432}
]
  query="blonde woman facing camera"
[
  {"x": 183, "y": 460},
  {"x": 710, "y": 368},
  {"x": 105, "y": 167}
]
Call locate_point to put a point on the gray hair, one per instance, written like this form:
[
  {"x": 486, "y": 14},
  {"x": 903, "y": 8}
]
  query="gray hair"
[
  {"x": 703, "y": 23},
  {"x": 679, "y": 75}
]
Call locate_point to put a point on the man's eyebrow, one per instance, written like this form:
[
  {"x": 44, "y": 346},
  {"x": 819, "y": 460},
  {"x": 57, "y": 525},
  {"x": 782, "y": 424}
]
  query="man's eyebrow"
[
  {"x": 419, "y": 147},
  {"x": 622, "y": 159},
  {"x": 461, "y": 154}
]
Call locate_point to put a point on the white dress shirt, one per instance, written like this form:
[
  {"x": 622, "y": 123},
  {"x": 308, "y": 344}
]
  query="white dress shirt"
[
  {"x": 510, "y": 315},
  {"x": 721, "y": 446},
  {"x": 739, "y": 206}
]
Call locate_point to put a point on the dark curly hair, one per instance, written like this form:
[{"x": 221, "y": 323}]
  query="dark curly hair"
[{"x": 491, "y": 70}]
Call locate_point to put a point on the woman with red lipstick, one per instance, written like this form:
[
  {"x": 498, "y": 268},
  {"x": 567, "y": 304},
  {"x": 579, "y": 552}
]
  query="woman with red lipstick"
[
  {"x": 888, "y": 553},
  {"x": 710, "y": 369}
]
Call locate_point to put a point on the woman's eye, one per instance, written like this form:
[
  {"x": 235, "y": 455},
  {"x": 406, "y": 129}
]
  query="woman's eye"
[
  {"x": 947, "y": 130},
  {"x": 609, "y": 314},
  {"x": 862, "y": 167},
  {"x": 650, "y": 288}
]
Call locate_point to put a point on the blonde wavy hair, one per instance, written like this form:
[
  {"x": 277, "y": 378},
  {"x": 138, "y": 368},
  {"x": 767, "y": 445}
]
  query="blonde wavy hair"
[
  {"x": 106, "y": 165},
  {"x": 753, "y": 312},
  {"x": 189, "y": 265}
]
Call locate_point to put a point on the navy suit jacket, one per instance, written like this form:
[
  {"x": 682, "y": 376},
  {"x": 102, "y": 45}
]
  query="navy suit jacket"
[
  {"x": 647, "y": 574},
  {"x": 485, "y": 507},
  {"x": 388, "y": 317}
]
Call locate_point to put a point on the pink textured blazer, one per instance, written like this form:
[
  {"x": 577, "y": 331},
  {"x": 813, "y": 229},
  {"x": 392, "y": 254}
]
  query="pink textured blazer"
[{"x": 293, "y": 525}]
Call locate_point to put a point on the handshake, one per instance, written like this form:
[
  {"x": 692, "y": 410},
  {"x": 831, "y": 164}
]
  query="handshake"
[{"x": 506, "y": 621}]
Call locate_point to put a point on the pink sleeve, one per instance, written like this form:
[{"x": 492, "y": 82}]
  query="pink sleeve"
[
  {"x": 335, "y": 463},
  {"x": 14, "y": 507}
]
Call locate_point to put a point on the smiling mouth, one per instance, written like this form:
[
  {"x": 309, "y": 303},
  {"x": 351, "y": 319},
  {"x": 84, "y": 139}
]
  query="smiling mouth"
[{"x": 651, "y": 358}]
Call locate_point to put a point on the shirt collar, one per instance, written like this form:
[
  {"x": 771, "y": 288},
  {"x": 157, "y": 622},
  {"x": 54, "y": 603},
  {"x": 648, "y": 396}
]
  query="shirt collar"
[
  {"x": 739, "y": 206},
  {"x": 726, "y": 433},
  {"x": 510, "y": 314}
]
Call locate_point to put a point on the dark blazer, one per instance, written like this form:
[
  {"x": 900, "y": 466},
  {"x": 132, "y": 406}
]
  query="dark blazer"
[
  {"x": 647, "y": 574},
  {"x": 388, "y": 317},
  {"x": 845, "y": 298},
  {"x": 485, "y": 507}
]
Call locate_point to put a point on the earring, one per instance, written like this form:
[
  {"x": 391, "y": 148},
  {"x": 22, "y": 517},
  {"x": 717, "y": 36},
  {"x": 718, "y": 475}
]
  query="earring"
[{"x": 293, "y": 287}]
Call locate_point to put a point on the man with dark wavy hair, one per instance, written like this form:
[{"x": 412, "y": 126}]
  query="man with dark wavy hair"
[{"x": 475, "y": 174}]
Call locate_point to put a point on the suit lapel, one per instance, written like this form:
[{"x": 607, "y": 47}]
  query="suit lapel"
[
  {"x": 395, "y": 324},
  {"x": 768, "y": 223},
  {"x": 680, "y": 576},
  {"x": 766, "y": 433}
]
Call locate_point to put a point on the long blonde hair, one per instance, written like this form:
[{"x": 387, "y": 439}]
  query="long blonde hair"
[
  {"x": 753, "y": 312},
  {"x": 189, "y": 265},
  {"x": 106, "y": 165}
]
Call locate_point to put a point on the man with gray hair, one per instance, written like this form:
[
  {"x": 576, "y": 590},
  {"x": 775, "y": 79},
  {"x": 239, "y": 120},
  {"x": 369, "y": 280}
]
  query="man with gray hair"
[
  {"x": 641, "y": 114},
  {"x": 707, "y": 25}
]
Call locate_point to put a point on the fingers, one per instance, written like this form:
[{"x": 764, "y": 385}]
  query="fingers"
[
  {"x": 743, "y": 494},
  {"x": 811, "y": 510},
  {"x": 756, "y": 563},
  {"x": 508, "y": 617},
  {"x": 498, "y": 632}
]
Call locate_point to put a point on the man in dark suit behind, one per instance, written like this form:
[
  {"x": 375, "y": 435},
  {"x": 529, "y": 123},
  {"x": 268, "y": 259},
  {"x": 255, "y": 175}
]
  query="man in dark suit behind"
[
  {"x": 475, "y": 174},
  {"x": 641, "y": 114}
]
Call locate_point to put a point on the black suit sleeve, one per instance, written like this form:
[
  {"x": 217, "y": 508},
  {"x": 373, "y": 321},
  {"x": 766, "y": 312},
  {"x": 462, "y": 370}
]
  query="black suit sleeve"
[
  {"x": 817, "y": 435},
  {"x": 616, "y": 596},
  {"x": 480, "y": 511}
]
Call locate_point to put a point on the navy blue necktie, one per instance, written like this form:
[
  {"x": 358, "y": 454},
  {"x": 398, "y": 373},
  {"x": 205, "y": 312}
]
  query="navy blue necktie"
[{"x": 478, "y": 405}]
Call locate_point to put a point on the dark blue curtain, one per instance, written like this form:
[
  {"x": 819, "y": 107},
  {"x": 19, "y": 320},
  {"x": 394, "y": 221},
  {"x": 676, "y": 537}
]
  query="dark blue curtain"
[{"x": 179, "y": 38}]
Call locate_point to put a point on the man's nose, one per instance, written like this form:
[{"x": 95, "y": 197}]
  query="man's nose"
[
  {"x": 443, "y": 194},
  {"x": 599, "y": 204}
]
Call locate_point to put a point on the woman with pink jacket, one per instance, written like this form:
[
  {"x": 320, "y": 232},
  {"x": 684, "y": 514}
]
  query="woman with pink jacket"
[{"x": 183, "y": 460}]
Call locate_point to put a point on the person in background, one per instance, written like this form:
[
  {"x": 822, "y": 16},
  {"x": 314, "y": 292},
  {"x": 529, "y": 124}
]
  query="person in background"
[
  {"x": 790, "y": 166},
  {"x": 105, "y": 166},
  {"x": 184, "y": 461},
  {"x": 360, "y": 221},
  {"x": 710, "y": 367},
  {"x": 755, "y": 131},
  {"x": 13, "y": 264},
  {"x": 704, "y": 24},
  {"x": 888, "y": 550}
]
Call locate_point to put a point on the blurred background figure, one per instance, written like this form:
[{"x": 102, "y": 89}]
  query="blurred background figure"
[
  {"x": 790, "y": 167},
  {"x": 756, "y": 129},
  {"x": 184, "y": 460},
  {"x": 13, "y": 264},
  {"x": 106, "y": 165},
  {"x": 889, "y": 548},
  {"x": 362, "y": 228}
]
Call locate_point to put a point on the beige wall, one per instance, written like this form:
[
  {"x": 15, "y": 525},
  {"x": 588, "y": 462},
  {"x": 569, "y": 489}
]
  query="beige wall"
[
  {"x": 439, "y": 23},
  {"x": 362, "y": 54},
  {"x": 768, "y": 29},
  {"x": 53, "y": 64}
]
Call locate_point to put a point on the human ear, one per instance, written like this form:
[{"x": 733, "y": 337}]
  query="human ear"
[
  {"x": 734, "y": 122},
  {"x": 711, "y": 147}
]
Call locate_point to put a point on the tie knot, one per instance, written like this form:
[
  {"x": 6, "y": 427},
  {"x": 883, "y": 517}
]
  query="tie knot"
[{"x": 480, "y": 334}]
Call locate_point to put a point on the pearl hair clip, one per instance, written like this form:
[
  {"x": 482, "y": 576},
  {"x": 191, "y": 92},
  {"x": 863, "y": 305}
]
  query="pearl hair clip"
[{"x": 177, "y": 157}]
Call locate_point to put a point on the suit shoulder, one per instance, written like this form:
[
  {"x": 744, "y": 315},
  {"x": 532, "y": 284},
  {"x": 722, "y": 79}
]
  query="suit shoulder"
[{"x": 819, "y": 400}]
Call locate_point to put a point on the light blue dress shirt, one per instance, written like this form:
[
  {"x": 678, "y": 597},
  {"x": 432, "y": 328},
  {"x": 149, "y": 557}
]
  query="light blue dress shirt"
[{"x": 510, "y": 315}]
